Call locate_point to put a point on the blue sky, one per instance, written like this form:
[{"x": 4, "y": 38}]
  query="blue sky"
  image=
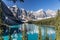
[{"x": 34, "y": 5}]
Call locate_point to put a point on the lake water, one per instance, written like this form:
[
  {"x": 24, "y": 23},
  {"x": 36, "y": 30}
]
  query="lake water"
[{"x": 32, "y": 32}]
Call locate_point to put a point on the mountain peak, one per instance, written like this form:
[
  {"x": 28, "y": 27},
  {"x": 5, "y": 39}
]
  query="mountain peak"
[
  {"x": 14, "y": 6},
  {"x": 22, "y": 9},
  {"x": 39, "y": 10}
]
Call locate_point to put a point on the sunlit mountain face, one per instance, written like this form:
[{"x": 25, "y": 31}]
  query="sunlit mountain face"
[
  {"x": 39, "y": 13},
  {"x": 17, "y": 15},
  {"x": 21, "y": 15},
  {"x": 17, "y": 18}
]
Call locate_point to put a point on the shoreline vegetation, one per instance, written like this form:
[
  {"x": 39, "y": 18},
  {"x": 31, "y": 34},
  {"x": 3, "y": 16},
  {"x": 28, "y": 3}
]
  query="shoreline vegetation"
[
  {"x": 52, "y": 21},
  {"x": 49, "y": 21}
]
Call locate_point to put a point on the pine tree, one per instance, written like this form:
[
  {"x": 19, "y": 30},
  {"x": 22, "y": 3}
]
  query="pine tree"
[
  {"x": 24, "y": 32},
  {"x": 46, "y": 37},
  {"x": 10, "y": 38},
  {"x": 50, "y": 38},
  {"x": 39, "y": 34},
  {"x": 0, "y": 13},
  {"x": 57, "y": 25},
  {"x": 1, "y": 31}
]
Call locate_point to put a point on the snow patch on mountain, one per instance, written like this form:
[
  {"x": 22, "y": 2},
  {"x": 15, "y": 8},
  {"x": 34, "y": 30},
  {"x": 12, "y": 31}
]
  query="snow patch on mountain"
[{"x": 29, "y": 15}]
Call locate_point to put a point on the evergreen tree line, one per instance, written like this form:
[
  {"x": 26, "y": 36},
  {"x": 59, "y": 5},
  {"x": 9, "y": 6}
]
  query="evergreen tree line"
[{"x": 52, "y": 21}]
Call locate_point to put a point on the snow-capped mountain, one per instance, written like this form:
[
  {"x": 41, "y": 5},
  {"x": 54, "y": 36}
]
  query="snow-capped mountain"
[
  {"x": 15, "y": 10},
  {"x": 29, "y": 15},
  {"x": 47, "y": 13},
  {"x": 14, "y": 15},
  {"x": 18, "y": 13},
  {"x": 51, "y": 13},
  {"x": 40, "y": 13}
]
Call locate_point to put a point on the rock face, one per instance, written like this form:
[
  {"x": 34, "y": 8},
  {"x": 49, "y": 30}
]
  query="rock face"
[
  {"x": 8, "y": 17},
  {"x": 50, "y": 13},
  {"x": 13, "y": 15},
  {"x": 40, "y": 14},
  {"x": 19, "y": 14}
]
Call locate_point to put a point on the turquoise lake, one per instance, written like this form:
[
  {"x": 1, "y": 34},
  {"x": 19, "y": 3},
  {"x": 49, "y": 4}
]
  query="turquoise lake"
[{"x": 32, "y": 32}]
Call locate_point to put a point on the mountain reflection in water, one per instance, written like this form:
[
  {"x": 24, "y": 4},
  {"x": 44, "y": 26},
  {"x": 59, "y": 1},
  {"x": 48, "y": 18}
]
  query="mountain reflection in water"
[{"x": 32, "y": 32}]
